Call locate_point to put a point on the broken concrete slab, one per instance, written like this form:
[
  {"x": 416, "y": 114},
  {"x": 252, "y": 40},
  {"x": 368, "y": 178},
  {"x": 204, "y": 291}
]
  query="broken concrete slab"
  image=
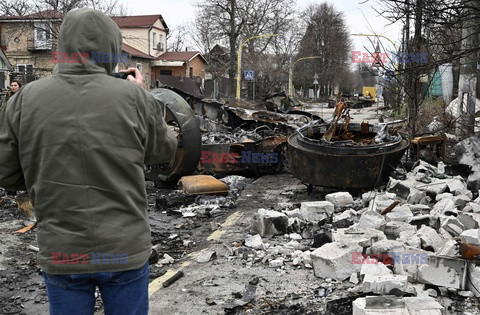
[
  {"x": 334, "y": 260},
  {"x": 340, "y": 199},
  {"x": 423, "y": 305},
  {"x": 419, "y": 209},
  {"x": 473, "y": 284},
  {"x": 450, "y": 249},
  {"x": 269, "y": 222},
  {"x": 386, "y": 247},
  {"x": 417, "y": 197},
  {"x": 435, "y": 187},
  {"x": 383, "y": 283},
  {"x": 430, "y": 238},
  {"x": 469, "y": 220},
  {"x": 372, "y": 219},
  {"x": 409, "y": 260},
  {"x": 467, "y": 151},
  {"x": 315, "y": 211},
  {"x": 363, "y": 237},
  {"x": 375, "y": 268},
  {"x": 386, "y": 305},
  {"x": 456, "y": 185},
  {"x": 472, "y": 207},
  {"x": 255, "y": 242},
  {"x": 401, "y": 188},
  {"x": 392, "y": 229},
  {"x": 444, "y": 271},
  {"x": 400, "y": 213},
  {"x": 471, "y": 236},
  {"x": 453, "y": 226},
  {"x": 205, "y": 256}
]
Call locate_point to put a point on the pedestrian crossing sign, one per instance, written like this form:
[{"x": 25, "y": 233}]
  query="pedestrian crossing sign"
[{"x": 248, "y": 75}]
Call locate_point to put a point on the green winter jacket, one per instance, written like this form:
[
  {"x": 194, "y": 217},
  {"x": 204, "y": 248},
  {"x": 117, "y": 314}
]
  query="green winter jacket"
[{"x": 77, "y": 142}]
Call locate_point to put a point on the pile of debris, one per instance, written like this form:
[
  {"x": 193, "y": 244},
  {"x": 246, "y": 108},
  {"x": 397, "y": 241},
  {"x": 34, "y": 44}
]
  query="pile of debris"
[{"x": 407, "y": 249}]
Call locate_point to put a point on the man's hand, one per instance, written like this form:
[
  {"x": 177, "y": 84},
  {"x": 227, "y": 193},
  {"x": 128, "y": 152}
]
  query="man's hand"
[{"x": 136, "y": 78}]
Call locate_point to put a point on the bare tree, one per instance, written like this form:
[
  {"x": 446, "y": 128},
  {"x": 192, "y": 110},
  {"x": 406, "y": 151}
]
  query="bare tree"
[
  {"x": 229, "y": 22},
  {"x": 326, "y": 37},
  {"x": 447, "y": 31},
  {"x": 24, "y": 7}
]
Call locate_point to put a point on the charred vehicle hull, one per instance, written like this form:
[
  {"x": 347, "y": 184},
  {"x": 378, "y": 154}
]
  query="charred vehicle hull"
[{"x": 353, "y": 164}]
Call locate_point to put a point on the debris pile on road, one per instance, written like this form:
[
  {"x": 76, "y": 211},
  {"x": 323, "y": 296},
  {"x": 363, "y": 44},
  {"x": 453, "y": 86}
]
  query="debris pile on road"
[{"x": 416, "y": 244}]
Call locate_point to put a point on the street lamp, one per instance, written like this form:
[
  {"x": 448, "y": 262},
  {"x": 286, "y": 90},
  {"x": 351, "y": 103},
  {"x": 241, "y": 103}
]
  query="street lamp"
[
  {"x": 290, "y": 73},
  {"x": 239, "y": 60}
]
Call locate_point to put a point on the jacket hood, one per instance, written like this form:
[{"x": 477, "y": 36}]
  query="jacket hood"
[{"x": 89, "y": 41}]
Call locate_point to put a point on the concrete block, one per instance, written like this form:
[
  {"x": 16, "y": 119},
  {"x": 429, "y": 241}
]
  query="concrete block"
[
  {"x": 420, "y": 209},
  {"x": 472, "y": 207},
  {"x": 374, "y": 269},
  {"x": 255, "y": 242},
  {"x": 361, "y": 237},
  {"x": 340, "y": 199},
  {"x": 295, "y": 213},
  {"x": 437, "y": 186},
  {"x": 473, "y": 181},
  {"x": 418, "y": 197},
  {"x": 461, "y": 201},
  {"x": 450, "y": 249},
  {"x": 424, "y": 168},
  {"x": 334, "y": 260},
  {"x": 392, "y": 229},
  {"x": 399, "y": 187},
  {"x": 430, "y": 238},
  {"x": 383, "y": 284},
  {"x": 409, "y": 260},
  {"x": 379, "y": 305},
  {"x": 456, "y": 186},
  {"x": 471, "y": 236},
  {"x": 445, "y": 195},
  {"x": 386, "y": 247},
  {"x": 411, "y": 239},
  {"x": 400, "y": 213},
  {"x": 372, "y": 219},
  {"x": 443, "y": 206},
  {"x": 469, "y": 220},
  {"x": 276, "y": 263},
  {"x": 444, "y": 272},
  {"x": 315, "y": 211},
  {"x": 345, "y": 215},
  {"x": 474, "y": 278},
  {"x": 423, "y": 306},
  {"x": 268, "y": 223},
  {"x": 453, "y": 226}
]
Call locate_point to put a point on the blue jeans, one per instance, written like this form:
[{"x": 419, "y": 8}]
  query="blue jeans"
[{"x": 123, "y": 292}]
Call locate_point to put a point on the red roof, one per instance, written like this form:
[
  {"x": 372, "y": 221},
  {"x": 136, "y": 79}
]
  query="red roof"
[
  {"x": 135, "y": 52},
  {"x": 138, "y": 20},
  {"x": 179, "y": 56}
]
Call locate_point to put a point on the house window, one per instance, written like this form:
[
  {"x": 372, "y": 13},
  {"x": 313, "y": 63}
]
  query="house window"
[
  {"x": 191, "y": 72},
  {"x": 43, "y": 36},
  {"x": 139, "y": 67},
  {"x": 154, "y": 40},
  {"x": 25, "y": 68},
  {"x": 165, "y": 72},
  {"x": 161, "y": 43}
]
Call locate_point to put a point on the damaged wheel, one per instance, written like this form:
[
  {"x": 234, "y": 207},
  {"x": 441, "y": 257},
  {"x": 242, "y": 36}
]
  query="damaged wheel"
[{"x": 181, "y": 118}]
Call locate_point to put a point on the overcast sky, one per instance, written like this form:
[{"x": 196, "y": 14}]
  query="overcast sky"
[{"x": 361, "y": 17}]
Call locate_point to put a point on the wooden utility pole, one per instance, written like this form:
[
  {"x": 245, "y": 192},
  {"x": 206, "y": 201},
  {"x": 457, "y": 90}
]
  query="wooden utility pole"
[{"x": 233, "y": 53}]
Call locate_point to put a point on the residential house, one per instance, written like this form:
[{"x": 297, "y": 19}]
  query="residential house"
[
  {"x": 27, "y": 42},
  {"x": 147, "y": 33},
  {"x": 140, "y": 60},
  {"x": 180, "y": 64}
]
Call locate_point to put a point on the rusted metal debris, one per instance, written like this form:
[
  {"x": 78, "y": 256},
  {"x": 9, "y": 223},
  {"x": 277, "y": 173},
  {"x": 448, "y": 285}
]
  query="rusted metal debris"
[
  {"x": 359, "y": 161},
  {"x": 390, "y": 207},
  {"x": 203, "y": 185}
]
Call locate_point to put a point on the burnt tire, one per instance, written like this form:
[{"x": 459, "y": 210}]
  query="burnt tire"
[{"x": 180, "y": 115}]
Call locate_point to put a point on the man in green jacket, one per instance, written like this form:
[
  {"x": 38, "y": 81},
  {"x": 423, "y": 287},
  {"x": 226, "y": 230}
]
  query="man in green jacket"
[{"x": 77, "y": 142}]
